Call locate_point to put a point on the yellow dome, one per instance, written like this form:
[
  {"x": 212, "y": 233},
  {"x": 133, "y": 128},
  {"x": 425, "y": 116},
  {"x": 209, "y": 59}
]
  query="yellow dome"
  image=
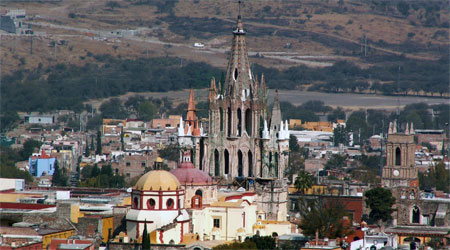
[
  {"x": 157, "y": 180},
  {"x": 159, "y": 159}
]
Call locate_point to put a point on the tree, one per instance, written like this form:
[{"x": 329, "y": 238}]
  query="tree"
[
  {"x": 336, "y": 114},
  {"x": 437, "y": 177},
  {"x": 87, "y": 151},
  {"x": 403, "y": 7},
  {"x": 99, "y": 143},
  {"x": 170, "y": 153},
  {"x": 112, "y": 5},
  {"x": 146, "y": 110},
  {"x": 380, "y": 202},
  {"x": 28, "y": 148},
  {"x": 327, "y": 218},
  {"x": 145, "y": 238},
  {"x": 254, "y": 242},
  {"x": 336, "y": 161},
  {"x": 340, "y": 136},
  {"x": 303, "y": 181},
  {"x": 60, "y": 177},
  {"x": 113, "y": 109},
  {"x": 293, "y": 144},
  {"x": 8, "y": 159}
]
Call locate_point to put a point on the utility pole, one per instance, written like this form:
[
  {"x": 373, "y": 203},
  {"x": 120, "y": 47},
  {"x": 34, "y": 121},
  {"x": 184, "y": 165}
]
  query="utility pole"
[{"x": 31, "y": 44}]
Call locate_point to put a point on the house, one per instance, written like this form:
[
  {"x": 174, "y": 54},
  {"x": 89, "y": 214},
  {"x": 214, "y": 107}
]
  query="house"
[
  {"x": 172, "y": 122},
  {"x": 41, "y": 164},
  {"x": 12, "y": 22},
  {"x": 40, "y": 119}
]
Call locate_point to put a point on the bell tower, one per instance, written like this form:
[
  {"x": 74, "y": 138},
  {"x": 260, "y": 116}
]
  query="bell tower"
[{"x": 400, "y": 169}]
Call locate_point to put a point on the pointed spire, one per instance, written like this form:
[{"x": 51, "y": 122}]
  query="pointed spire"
[
  {"x": 411, "y": 130},
  {"x": 265, "y": 131},
  {"x": 394, "y": 128},
  {"x": 191, "y": 103},
  {"x": 407, "y": 129},
  {"x": 181, "y": 127},
  {"x": 390, "y": 128},
  {"x": 276, "y": 113},
  {"x": 212, "y": 90}
]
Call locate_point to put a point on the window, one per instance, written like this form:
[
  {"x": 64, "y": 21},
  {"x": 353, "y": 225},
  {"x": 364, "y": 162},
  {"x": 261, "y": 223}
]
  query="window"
[
  {"x": 398, "y": 158},
  {"x": 128, "y": 164},
  {"x": 416, "y": 215},
  {"x": 169, "y": 203},
  {"x": 143, "y": 164},
  {"x": 216, "y": 223},
  {"x": 151, "y": 204},
  {"x": 128, "y": 175},
  {"x": 136, "y": 202}
]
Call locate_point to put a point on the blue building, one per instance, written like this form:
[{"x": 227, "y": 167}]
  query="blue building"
[{"x": 42, "y": 165}]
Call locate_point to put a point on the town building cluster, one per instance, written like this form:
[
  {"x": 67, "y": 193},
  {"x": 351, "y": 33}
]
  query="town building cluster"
[{"x": 227, "y": 182}]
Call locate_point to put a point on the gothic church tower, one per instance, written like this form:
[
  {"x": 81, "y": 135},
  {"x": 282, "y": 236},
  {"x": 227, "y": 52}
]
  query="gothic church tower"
[
  {"x": 400, "y": 169},
  {"x": 239, "y": 142}
]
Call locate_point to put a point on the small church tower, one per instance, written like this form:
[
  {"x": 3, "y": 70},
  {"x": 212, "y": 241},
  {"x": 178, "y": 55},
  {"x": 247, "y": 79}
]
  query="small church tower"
[{"x": 400, "y": 169}]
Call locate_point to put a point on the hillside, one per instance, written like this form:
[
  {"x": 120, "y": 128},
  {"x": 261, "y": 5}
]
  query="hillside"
[{"x": 314, "y": 33}]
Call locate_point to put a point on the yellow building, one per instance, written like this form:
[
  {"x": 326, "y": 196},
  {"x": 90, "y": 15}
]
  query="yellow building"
[
  {"x": 49, "y": 234},
  {"x": 316, "y": 190}
]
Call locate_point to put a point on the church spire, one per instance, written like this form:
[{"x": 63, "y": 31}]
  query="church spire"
[
  {"x": 238, "y": 77},
  {"x": 276, "y": 113}
]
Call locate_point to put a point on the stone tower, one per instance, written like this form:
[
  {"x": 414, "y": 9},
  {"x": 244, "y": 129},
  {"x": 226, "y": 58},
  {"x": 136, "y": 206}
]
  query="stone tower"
[
  {"x": 241, "y": 140},
  {"x": 400, "y": 169}
]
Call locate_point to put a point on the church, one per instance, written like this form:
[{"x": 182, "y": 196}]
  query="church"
[{"x": 243, "y": 138}]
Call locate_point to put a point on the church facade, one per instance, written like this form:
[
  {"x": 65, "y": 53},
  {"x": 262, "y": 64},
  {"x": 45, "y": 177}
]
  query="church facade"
[{"x": 243, "y": 139}]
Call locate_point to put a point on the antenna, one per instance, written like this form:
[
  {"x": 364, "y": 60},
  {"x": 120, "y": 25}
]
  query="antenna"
[{"x": 239, "y": 9}]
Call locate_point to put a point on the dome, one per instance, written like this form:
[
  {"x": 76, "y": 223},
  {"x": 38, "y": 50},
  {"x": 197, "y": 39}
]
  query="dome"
[
  {"x": 157, "y": 180},
  {"x": 187, "y": 174}
]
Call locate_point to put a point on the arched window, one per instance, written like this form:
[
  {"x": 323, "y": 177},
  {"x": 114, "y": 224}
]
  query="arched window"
[
  {"x": 170, "y": 203},
  {"x": 236, "y": 74},
  {"x": 248, "y": 121},
  {"x": 415, "y": 215},
  {"x": 151, "y": 204},
  {"x": 136, "y": 202},
  {"x": 239, "y": 122},
  {"x": 216, "y": 163},
  {"x": 227, "y": 161},
  {"x": 221, "y": 119},
  {"x": 202, "y": 153},
  {"x": 199, "y": 192},
  {"x": 240, "y": 166},
  {"x": 276, "y": 165},
  {"x": 229, "y": 122},
  {"x": 250, "y": 164},
  {"x": 398, "y": 157}
]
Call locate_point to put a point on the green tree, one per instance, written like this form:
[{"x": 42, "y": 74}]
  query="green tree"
[
  {"x": 380, "y": 202},
  {"x": 170, "y": 153},
  {"x": 29, "y": 147},
  {"x": 59, "y": 177},
  {"x": 146, "y": 110},
  {"x": 145, "y": 238},
  {"x": 437, "y": 177},
  {"x": 336, "y": 161},
  {"x": 403, "y": 7},
  {"x": 293, "y": 144},
  {"x": 113, "y": 109},
  {"x": 327, "y": 218},
  {"x": 99, "y": 143},
  {"x": 336, "y": 114},
  {"x": 303, "y": 181},
  {"x": 112, "y": 5},
  {"x": 8, "y": 158},
  {"x": 87, "y": 151},
  {"x": 340, "y": 135}
]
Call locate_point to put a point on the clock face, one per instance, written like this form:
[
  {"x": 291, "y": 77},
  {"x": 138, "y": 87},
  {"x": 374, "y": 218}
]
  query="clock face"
[{"x": 396, "y": 173}]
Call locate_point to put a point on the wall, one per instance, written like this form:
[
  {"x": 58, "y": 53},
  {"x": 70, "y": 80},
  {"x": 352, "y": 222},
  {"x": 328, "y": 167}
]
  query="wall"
[{"x": 47, "y": 239}]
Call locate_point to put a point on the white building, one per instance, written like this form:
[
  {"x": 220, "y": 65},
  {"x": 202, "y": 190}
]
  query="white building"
[{"x": 158, "y": 202}]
